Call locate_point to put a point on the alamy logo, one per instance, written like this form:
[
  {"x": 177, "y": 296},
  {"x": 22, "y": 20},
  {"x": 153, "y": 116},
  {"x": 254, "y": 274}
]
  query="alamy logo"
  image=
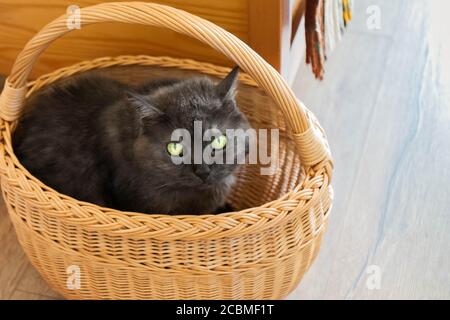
[
  {"x": 73, "y": 281},
  {"x": 73, "y": 20},
  {"x": 374, "y": 279},
  {"x": 234, "y": 146},
  {"x": 374, "y": 17}
]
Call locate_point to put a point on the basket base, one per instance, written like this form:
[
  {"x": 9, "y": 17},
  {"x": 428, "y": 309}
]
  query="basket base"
[{"x": 100, "y": 281}]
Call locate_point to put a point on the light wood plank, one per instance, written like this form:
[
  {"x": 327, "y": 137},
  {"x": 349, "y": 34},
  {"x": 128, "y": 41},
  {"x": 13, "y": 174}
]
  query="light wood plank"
[
  {"x": 339, "y": 104},
  {"x": 23, "y": 295},
  {"x": 411, "y": 240},
  {"x": 391, "y": 207},
  {"x": 32, "y": 282},
  {"x": 13, "y": 261}
]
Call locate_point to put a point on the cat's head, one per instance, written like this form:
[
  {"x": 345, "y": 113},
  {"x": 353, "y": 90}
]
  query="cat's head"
[{"x": 198, "y": 109}]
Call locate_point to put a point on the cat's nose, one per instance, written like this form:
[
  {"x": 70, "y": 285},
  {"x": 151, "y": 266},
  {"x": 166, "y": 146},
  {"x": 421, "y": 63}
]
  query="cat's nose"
[{"x": 202, "y": 172}]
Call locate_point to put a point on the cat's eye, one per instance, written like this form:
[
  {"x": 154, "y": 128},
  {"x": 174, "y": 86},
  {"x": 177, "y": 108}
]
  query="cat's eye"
[
  {"x": 219, "y": 142},
  {"x": 175, "y": 149}
]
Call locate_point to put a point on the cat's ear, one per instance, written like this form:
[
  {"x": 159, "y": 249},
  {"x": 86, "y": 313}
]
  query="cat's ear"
[
  {"x": 143, "y": 107},
  {"x": 226, "y": 88}
]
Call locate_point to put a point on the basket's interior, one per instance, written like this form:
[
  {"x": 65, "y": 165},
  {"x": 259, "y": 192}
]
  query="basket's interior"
[{"x": 252, "y": 188}]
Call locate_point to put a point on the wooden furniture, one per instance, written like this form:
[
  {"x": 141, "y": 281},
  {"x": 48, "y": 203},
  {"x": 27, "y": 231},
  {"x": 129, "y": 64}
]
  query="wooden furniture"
[{"x": 271, "y": 27}]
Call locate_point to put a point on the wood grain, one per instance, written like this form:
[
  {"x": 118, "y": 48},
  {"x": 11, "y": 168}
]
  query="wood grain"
[
  {"x": 13, "y": 262},
  {"x": 262, "y": 28},
  {"x": 266, "y": 25},
  {"x": 23, "y": 295},
  {"x": 385, "y": 105},
  {"x": 276, "y": 32},
  {"x": 21, "y": 19}
]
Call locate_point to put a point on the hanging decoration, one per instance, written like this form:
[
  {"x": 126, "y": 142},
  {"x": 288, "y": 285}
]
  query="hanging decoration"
[{"x": 325, "y": 22}]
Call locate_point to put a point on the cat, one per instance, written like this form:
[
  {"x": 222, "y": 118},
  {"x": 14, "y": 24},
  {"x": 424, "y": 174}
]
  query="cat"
[{"x": 105, "y": 142}]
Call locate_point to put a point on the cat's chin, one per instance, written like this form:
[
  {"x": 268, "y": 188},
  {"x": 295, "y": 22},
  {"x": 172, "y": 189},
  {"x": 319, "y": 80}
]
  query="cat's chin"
[
  {"x": 226, "y": 181},
  {"x": 207, "y": 184},
  {"x": 215, "y": 183}
]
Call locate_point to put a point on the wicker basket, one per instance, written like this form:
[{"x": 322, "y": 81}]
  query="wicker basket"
[{"x": 260, "y": 252}]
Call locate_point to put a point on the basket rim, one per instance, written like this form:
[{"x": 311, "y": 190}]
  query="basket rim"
[{"x": 162, "y": 226}]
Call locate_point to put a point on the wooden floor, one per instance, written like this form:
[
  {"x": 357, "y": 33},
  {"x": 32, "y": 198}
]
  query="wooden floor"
[{"x": 385, "y": 104}]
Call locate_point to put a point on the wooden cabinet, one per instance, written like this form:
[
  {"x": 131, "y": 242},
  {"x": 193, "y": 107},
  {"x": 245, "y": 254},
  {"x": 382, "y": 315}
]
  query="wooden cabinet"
[{"x": 271, "y": 27}]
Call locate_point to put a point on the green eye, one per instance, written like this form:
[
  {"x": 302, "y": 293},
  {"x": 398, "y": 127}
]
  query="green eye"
[
  {"x": 175, "y": 149},
  {"x": 219, "y": 142}
]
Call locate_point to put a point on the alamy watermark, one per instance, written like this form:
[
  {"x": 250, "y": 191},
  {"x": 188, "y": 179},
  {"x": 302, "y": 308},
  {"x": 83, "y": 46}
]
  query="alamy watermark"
[
  {"x": 73, "y": 20},
  {"x": 73, "y": 281},
  {"x": 374, "y": 17},
  {"x": 374, "y": 277},
  {"x": 235, "y": 146}
]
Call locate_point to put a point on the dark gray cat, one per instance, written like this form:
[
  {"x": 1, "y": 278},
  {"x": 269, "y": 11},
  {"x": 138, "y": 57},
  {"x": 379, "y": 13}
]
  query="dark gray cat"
[{"x": 101, "y": 141}]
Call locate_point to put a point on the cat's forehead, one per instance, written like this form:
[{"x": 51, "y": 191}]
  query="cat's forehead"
[
  {"x": 190, "y": 89},
  {"x": 194, "y": 101},
  {"x": 189, "y": 99},
  {"x": 194, "y": 95},
  {"x": 193, "y": 121}
]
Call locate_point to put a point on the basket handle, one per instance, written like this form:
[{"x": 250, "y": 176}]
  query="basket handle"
[{"x": 312, "y": 147}]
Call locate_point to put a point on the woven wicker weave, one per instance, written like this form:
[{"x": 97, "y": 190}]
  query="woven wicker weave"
[{"x": 260, "y": 252}]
